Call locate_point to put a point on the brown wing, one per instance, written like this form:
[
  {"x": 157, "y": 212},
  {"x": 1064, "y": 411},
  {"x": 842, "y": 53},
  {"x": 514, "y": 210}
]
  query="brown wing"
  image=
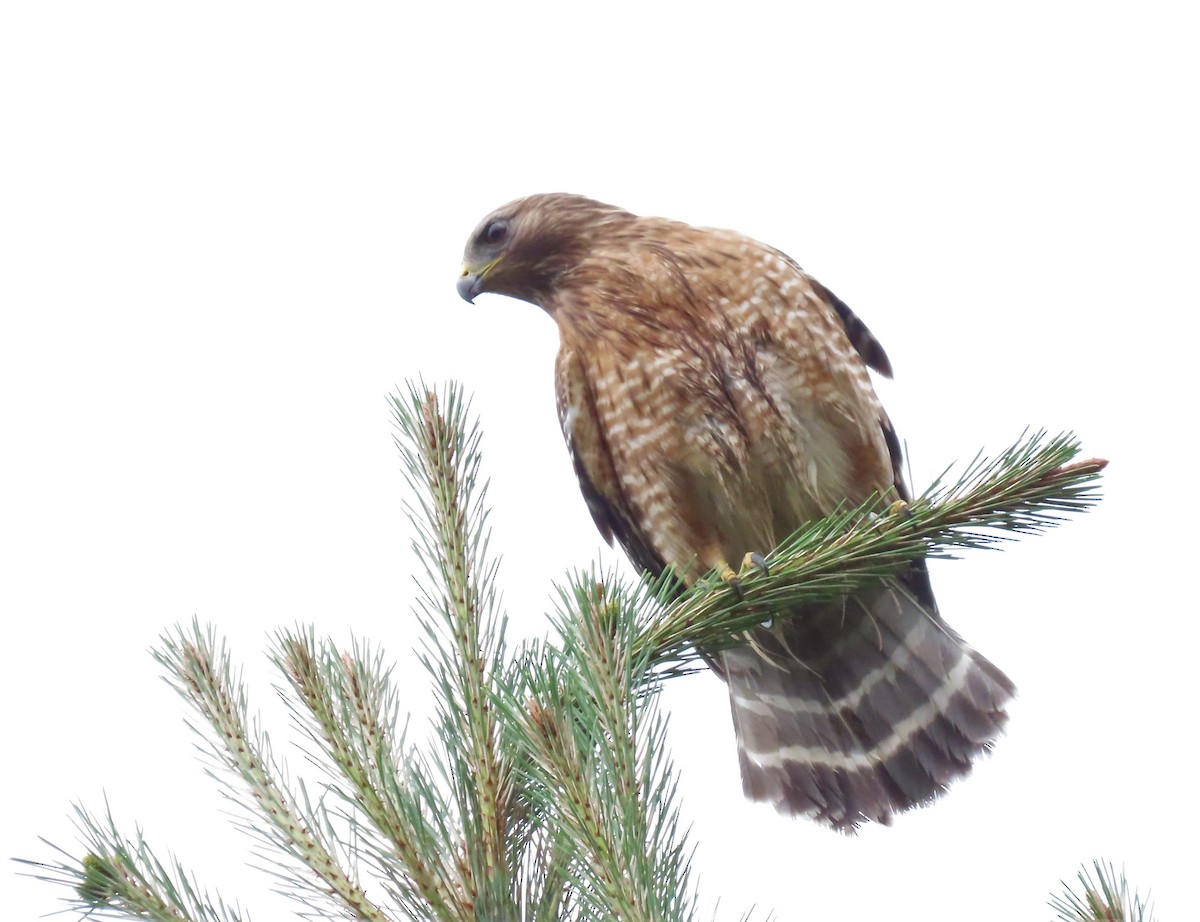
[
  {"x": 592, "y": 460},
  {"x": 916, "y": 579},
  {"x": 863, "y": 340}
]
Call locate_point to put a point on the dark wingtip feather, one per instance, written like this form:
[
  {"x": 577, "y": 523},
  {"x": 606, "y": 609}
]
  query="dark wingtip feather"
[{"x": 861, "y": 338}]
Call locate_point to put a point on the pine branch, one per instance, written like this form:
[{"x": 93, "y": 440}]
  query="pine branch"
[
  {"x": 1026, "y": 489},
  {"x": 350, "y": 711},
  {"x": 583, "y": 751},
  {"x": 600, "y": 759},
  {"x": 1105, "y": 897},
  {"x": 120, "y": 877},
  {"x": 464, "y": 629},
  {"x": 549, "y": 794},
  {"x": 200, "y": 670}
]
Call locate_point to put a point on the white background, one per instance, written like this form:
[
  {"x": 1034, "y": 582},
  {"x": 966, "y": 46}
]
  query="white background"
[{"x": 229, "y": 229}]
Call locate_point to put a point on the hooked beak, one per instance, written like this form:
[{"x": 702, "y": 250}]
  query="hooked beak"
[{"x": 469, "y": 284}]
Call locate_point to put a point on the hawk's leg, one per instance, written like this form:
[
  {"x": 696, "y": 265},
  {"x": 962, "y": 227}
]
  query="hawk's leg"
[
  {"x": 752, "y": 560},
  {"x": 725, "y": 571}
]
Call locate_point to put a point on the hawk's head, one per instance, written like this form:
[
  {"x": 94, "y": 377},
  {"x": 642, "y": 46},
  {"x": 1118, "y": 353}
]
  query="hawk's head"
[{"x": 524, "y": 248}]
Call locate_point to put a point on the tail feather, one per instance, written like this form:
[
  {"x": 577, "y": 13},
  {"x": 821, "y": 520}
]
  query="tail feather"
[{"x": 854, "y": 711}]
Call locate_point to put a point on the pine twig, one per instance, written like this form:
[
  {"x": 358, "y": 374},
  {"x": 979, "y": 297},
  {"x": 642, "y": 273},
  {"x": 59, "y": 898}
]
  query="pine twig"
[
  {"x": 1104, "y": 897},
  {"x": 1030, "y": 487},
  {"x": 600, "y": 760},
  {"x": 351, "y": 712},
  {"x": 120, "y": 877},
  {"x": 464, "y": 639},
  {"x": 201, "y": 672}
]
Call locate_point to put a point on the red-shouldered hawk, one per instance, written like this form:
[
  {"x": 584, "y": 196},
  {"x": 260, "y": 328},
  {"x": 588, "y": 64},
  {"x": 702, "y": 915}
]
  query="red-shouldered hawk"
[{"x": 714, "y": 398}]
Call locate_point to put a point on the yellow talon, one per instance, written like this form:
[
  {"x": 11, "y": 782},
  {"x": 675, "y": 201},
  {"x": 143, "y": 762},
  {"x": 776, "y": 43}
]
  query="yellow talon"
[
  {"x": 729, "y": 578},
  {"x": 900, "y": 507},
  {"x": 752, "y": 561}
]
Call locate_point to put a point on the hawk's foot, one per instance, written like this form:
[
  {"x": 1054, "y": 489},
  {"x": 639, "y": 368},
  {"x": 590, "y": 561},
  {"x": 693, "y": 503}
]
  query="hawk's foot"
[
  {"x": 756, "y": 561},
  {"x": 729, "y": 578},
  {"x": 752, "y": 561}
]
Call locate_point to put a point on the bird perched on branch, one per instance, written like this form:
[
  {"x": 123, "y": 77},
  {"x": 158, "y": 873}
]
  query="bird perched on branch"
[{"x": 714, "y": 398}]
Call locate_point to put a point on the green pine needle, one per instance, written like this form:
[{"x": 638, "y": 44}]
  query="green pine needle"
[{"x": 1103, "y": 896}]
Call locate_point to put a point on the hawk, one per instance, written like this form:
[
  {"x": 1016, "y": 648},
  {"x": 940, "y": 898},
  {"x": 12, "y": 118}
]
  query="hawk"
[{"x": 714, "y": 398}]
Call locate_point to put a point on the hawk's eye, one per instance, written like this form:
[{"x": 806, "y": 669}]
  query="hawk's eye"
[{"x": 495, "y": 233}]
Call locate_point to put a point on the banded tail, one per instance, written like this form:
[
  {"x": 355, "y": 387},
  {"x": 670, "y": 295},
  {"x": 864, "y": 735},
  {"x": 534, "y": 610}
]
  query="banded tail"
[{"x": 860, "y": 709}]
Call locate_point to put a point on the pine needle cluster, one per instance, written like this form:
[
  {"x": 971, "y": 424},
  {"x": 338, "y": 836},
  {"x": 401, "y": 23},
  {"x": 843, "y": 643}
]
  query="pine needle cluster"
[{"x": 546, "y": 791}]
